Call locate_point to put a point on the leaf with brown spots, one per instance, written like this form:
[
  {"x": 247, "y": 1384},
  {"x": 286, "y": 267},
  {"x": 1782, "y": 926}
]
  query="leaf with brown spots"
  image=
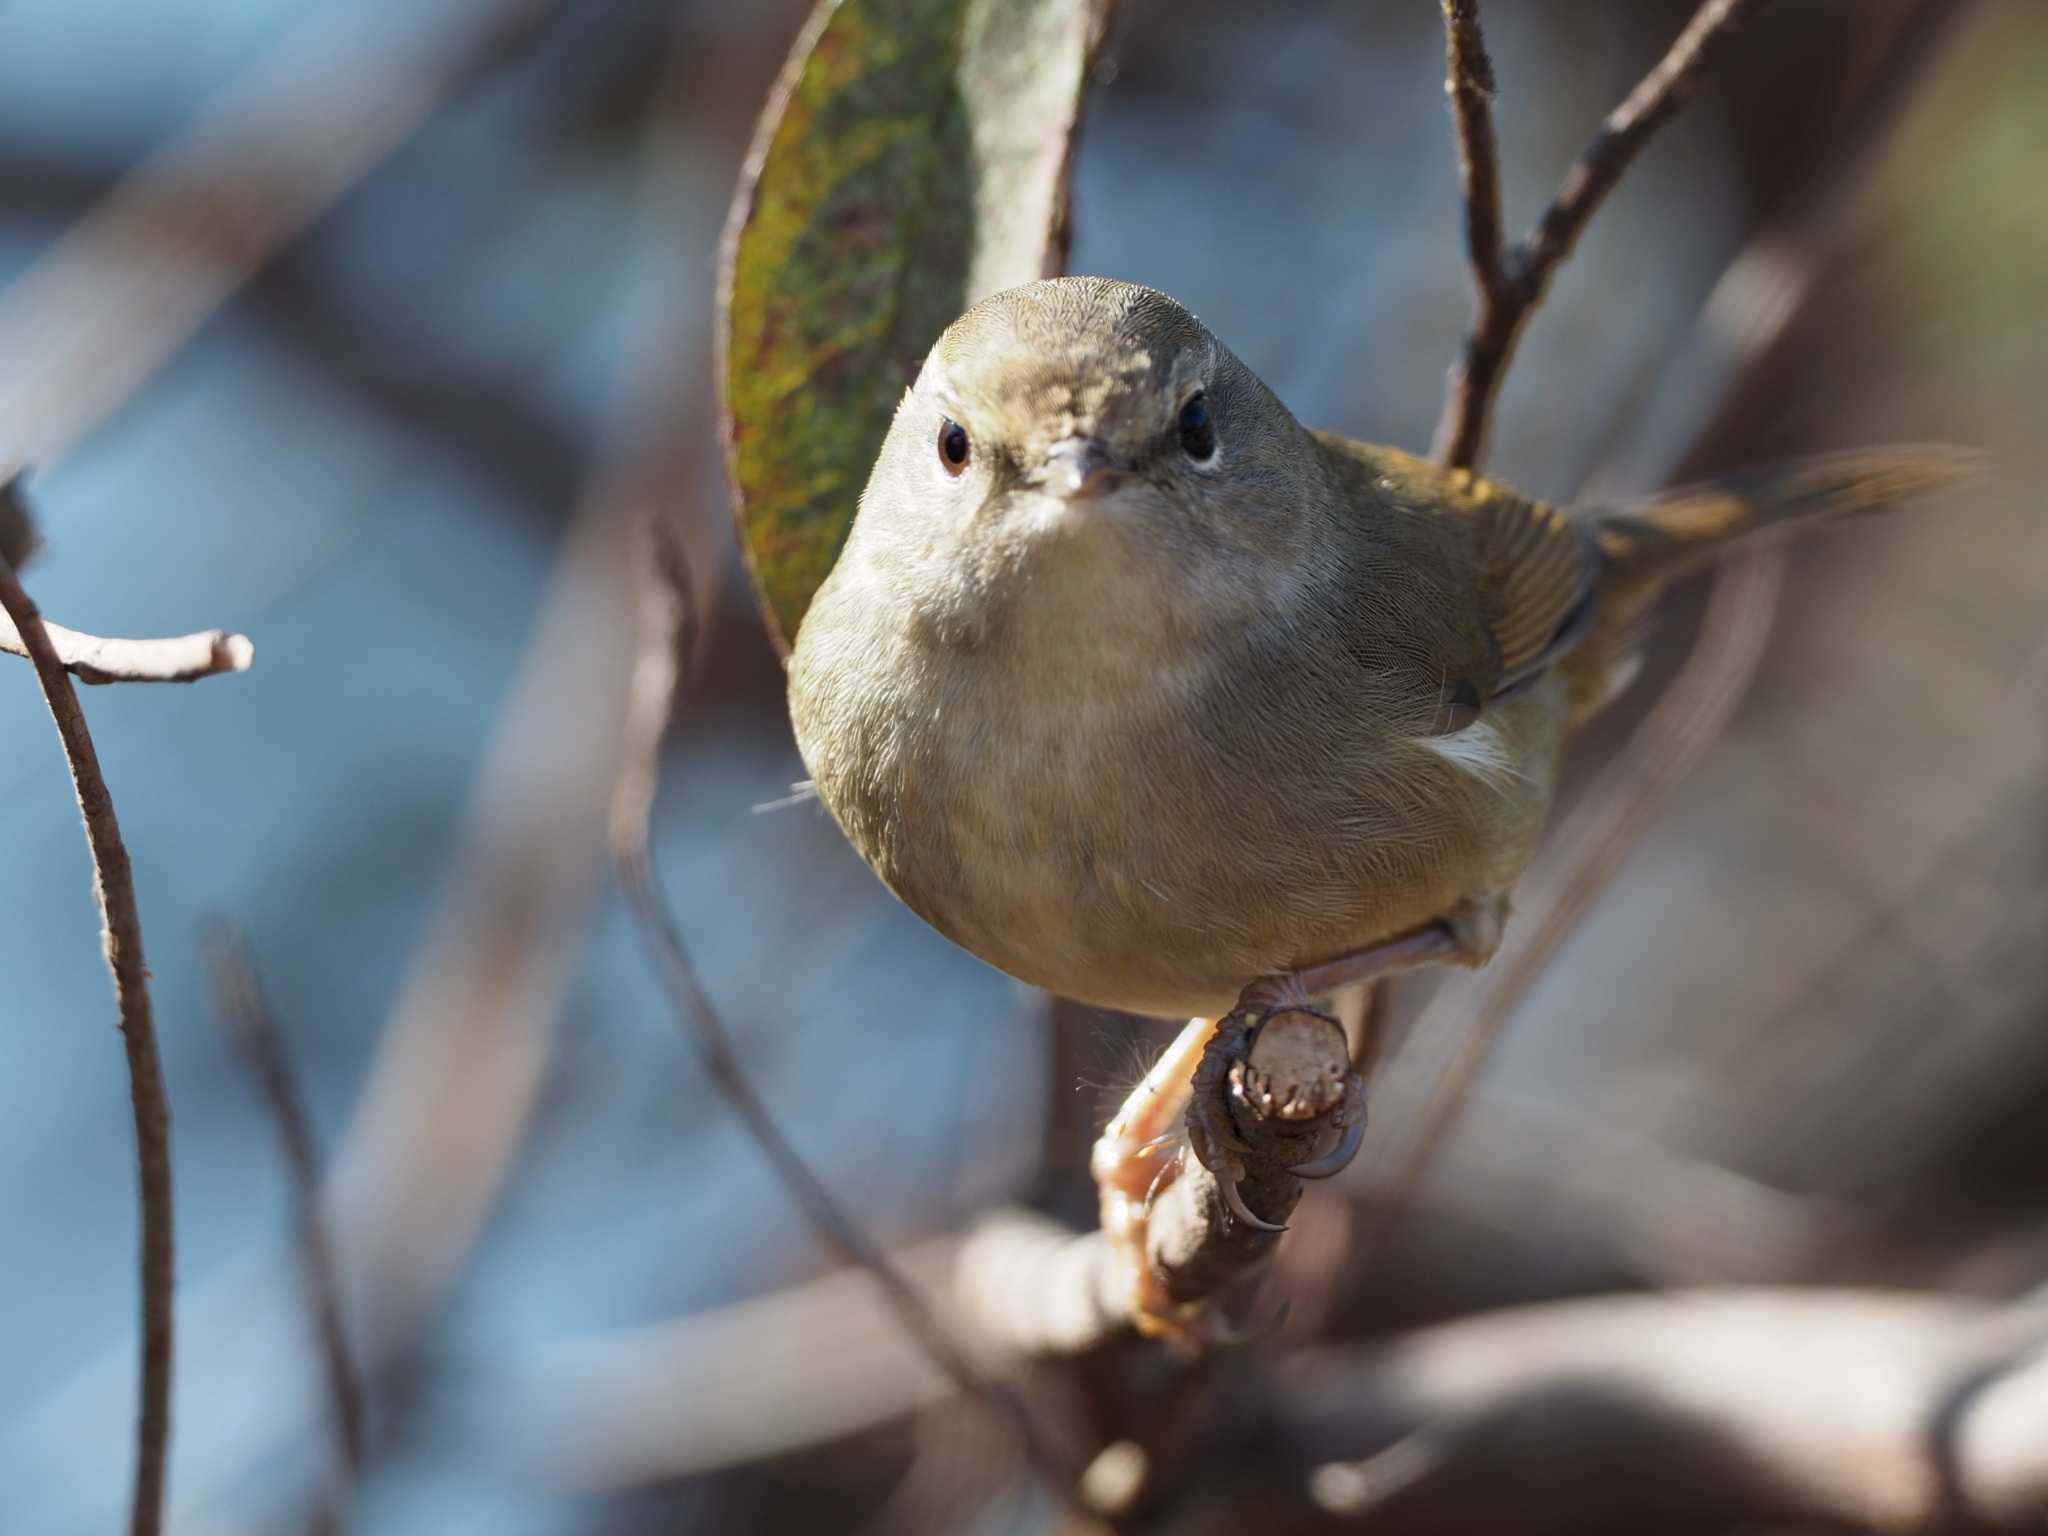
[{"x": 912, "y": 160}]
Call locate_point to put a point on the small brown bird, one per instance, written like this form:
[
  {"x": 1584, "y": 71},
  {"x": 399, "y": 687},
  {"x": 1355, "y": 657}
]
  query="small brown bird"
[{"x": 1140, "y": 690}]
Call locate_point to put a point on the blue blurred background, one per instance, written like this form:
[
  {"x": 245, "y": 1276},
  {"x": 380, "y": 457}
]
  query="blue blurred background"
[{"x": 401, "y": 451}]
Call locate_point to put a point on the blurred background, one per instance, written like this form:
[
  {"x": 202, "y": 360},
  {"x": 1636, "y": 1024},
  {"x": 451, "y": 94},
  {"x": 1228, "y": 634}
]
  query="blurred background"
[{"x": 366, "y": 328}]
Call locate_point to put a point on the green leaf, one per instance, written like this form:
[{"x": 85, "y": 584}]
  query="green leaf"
[{"x": 912, "y": 160}]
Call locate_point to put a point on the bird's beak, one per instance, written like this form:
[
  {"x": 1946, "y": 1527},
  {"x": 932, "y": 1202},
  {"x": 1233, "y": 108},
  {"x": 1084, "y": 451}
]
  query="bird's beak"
[{"x": 1078, "y": 468}]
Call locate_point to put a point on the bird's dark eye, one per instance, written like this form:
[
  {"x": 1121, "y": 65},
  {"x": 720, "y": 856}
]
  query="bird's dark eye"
[
  {"x": 1197, "y": 431},
  {"x": 952, "y": 445}
]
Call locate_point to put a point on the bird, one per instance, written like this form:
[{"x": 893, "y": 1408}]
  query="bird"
[
  {"x": 1144, "y": 692},
  {"x": 1139, "y": 689}
]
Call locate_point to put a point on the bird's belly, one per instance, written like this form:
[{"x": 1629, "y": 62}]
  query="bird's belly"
[{"x": 1158, "y": 864}]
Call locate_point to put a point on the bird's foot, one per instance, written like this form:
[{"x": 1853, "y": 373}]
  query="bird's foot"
[
  {"x": 1269, "y": 1097},
  {"x": 1138, "y": 1154},
  {"x": 1274, "y": 1059}
]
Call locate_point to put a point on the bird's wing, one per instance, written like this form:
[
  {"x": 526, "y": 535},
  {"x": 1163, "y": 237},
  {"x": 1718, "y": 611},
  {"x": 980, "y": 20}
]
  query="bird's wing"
[
  {"x": 1530, "y": 574},
  {"x": 1537, "y": 577}
]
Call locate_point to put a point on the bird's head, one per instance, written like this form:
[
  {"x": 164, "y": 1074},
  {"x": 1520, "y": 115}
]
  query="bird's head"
[{"x": 1080, "y": 441}]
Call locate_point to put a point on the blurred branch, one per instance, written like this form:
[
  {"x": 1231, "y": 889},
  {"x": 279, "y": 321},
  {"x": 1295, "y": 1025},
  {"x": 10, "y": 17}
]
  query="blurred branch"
[
  {"x": 1511, "y": 284},
  {"x": 1894, "y": 1411},
  {"x": 261, "y": 1045},
  {"x": 133, "y": 279},
  {"x": 18, "y": 539},
  {"x": 1716, "y": 1408},
  {"x": 667, "y": 633},
  {"x": 121, "y": 940},
  {"x": 1059, "y": 242},
  {"x": 183, "y": 659}
]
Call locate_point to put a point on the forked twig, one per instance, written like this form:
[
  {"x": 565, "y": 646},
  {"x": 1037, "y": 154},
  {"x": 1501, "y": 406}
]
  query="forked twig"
[
  {"x": 121, "y": 940},
  {"x": 668, "y": 632},
  {"x": 1736, "y": 335},
  {"x": 261, "y": 1045},
  {"x": 1510, "y": 284}
]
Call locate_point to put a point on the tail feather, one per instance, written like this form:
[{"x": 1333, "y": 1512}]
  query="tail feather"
[
  {"x": 1647, "y": 544},
  {"x": 1679, "y": 529}
]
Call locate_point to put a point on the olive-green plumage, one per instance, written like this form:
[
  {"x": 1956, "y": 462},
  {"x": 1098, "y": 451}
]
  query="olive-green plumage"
[{"x": 1140, "y": 722}]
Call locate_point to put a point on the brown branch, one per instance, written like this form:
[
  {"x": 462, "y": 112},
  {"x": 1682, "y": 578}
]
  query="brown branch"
[
  {"x": 1275, "y": 1079},
  {"x": 1894, "y": 1411},
  {"x": 261, "y": 1044},
  {"x": 1705, "y": 1410},
  {"x": 121, "y": 940},
  {"x": 1059, "y": 240},
  {"x": 1511, "y": 287},
  {"x": 667, "y": 634},
  {"x": 1716, "y": 378},
  {"x": 1468, "y": 81}
]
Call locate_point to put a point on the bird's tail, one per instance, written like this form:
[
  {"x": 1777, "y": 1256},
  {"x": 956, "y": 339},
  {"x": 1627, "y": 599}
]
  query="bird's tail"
[{"x": 1646, "y": 544}]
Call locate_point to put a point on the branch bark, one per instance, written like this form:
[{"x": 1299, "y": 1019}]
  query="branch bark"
[
  {"x": 1883, "y": 1411},
  {"x": 1702, "y": 1410},
  {"x": 261, "y": 1044},
  {"x": 1510, "y": 285},
  {"x": 121, "y": 940}
]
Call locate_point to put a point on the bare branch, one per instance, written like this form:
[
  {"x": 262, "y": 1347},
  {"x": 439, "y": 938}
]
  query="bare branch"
[
  {"x": 1653, "y": 103},
  {"x": 667, "y": 633},
  {"x": 1468, "y": 81},
  {"x": 261, "y": 1044},
  {"x": 1510, "y": 290},
  {"x": 1276, "y": 1081},
  {"x": 184, "y": 659},
  {"x": 1707, "y": 1409},
  {"x": 1712, "y": 384},
  {"x": 178, "y": 659},
  {"x": 1892, "y": 1411},
  {"x": 121, "y": 940}
]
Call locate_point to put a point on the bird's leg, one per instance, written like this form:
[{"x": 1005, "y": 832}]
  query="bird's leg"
[
  {"x": 1137, "y": 1154},
  {"x": 1466, "y": 935}
]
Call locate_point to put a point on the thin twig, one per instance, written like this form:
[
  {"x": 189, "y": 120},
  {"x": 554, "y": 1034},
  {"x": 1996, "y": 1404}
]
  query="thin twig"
[
  {"x": 1779, "y": 1403},
  {"x": 1510, "y": 291},
  {"x": 261, "y": 1044},
  {"x": 1468, "y": 81},
  {"x": 1737, "y": 335},
  {"x": 121, "y": 941},
  {"x": 668, "y": 626},
  {"x": 94, "y": 659},
  {"x": 90, "y": 659}
]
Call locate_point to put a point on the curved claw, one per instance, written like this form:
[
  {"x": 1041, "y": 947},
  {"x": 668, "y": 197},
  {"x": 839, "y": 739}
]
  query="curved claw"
[
  {"x": 1234, "y": 1203},
  {"x": 1336, "y": 1160}
]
